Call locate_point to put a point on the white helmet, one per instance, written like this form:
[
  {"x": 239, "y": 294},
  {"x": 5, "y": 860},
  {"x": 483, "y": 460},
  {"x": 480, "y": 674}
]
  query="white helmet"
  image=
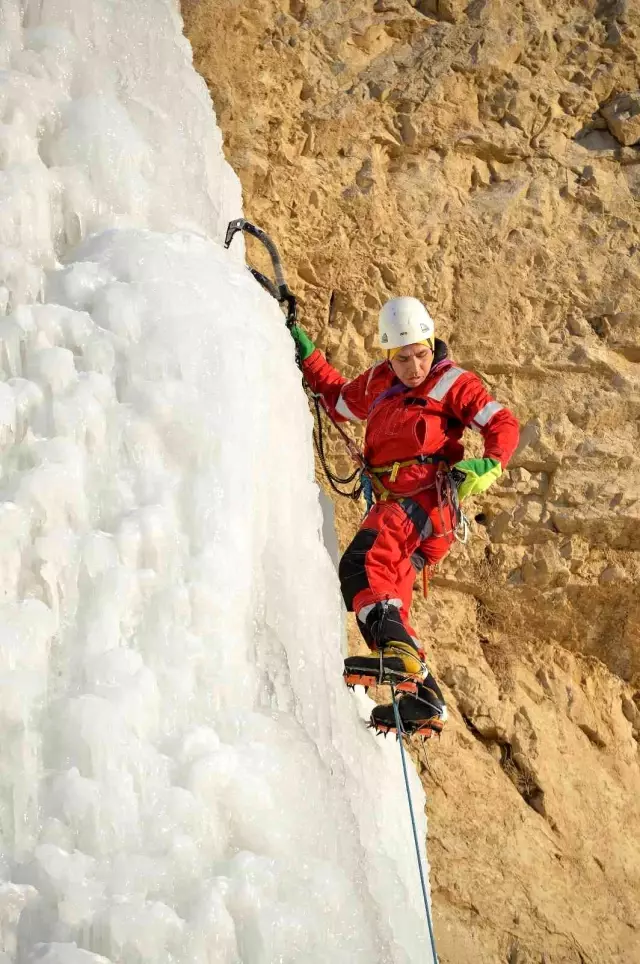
[{"x": 404, "y": 321}]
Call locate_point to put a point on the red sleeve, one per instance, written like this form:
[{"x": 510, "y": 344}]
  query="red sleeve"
[
  {"x": 345, "y": 400},
  {"x": 471, "y": 403}
]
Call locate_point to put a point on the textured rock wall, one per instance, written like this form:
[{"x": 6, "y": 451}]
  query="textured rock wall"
[{"x": 485, "y": 156}]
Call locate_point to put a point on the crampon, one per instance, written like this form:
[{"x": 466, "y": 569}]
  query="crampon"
[
  {"x": 426, "y": 729},
  {"x": 424, "y": 712},
  {"x": 380, "y": 671}
]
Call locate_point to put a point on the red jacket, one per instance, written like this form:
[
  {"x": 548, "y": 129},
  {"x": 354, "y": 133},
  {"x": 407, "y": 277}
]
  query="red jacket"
[{"x": 405, "y": 422}]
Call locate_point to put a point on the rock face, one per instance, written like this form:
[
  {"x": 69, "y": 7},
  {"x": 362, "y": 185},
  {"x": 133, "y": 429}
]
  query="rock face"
[
  {"x": 480, "y": 155},
  {"x": 622, "y": 115}
]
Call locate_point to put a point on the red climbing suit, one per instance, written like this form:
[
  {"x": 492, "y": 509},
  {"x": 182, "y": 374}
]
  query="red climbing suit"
[{"x": 403, "y": 423}]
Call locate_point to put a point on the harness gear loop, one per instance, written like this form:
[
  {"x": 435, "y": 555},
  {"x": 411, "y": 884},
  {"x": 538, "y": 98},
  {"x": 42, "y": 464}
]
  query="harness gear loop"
[{"x": 461, "y": 530}]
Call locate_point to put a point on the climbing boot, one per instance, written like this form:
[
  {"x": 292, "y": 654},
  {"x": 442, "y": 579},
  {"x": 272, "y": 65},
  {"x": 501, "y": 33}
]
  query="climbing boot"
[
  {"x": 396, "y": 662},
  {"x": 423, "y": 712}
]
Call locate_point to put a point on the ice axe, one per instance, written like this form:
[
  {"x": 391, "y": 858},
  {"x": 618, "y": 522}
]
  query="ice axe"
[{"x": 280, "y": 290}]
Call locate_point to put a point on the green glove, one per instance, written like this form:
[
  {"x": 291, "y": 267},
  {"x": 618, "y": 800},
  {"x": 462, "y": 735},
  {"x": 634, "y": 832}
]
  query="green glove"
[
  {"x": 302, "y": 340},
  {"x": 479, "y": 474}
]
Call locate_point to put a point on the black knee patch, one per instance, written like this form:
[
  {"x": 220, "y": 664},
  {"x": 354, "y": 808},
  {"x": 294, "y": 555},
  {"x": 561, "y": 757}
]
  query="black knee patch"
[
  {"x": 383, "y": 625},
  {"x": 351, "y": 570},
  {"x": 418, "y": 561}
]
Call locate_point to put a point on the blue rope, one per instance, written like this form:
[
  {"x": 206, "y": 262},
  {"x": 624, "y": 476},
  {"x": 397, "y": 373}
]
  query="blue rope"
[{"x": 400, "y": 733}]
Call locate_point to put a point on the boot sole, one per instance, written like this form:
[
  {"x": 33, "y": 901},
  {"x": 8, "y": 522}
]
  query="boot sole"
[{"x": 404, "y": 684}]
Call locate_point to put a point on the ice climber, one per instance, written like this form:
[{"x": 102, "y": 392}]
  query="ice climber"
[{"x": 416, "y": 404}]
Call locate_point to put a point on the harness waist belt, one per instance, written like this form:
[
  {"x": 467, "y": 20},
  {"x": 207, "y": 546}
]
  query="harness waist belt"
[{"x": 393, "y": 469}]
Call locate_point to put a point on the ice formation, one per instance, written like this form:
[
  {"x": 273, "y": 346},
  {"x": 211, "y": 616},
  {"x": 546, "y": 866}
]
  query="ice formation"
[{"x": 183, "y": 776}]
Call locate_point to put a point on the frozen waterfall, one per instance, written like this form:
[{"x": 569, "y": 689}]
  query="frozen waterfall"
[{"x": 184, "y": 778}]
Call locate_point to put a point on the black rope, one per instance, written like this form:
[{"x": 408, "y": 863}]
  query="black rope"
[{"x": 334, "y": 480}]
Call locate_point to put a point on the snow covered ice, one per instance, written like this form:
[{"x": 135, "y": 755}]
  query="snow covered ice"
[{"x": 183, "y": 776}]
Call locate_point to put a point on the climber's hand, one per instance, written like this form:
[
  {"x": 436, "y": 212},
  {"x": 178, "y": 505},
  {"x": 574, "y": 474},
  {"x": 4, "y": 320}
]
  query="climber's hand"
[
  {"x": 302, "y": 340},
  {"x": 472, "y": 476}
]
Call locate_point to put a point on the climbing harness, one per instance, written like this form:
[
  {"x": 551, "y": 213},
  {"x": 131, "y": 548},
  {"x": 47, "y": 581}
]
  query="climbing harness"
[
  {"x": 393, "y": 469},
  {"x": 400, "y": 733}
]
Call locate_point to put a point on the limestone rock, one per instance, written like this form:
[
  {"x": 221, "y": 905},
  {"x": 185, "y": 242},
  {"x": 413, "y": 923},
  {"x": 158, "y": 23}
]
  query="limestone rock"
[
  {"x": 450, "y": 10},
  {"x": 622, "y": 115}
]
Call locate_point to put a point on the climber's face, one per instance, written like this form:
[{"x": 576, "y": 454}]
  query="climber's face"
[{"x": 412, "y": 364}]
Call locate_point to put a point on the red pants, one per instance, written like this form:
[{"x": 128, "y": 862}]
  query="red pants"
[{"x": 377, "y": 566}]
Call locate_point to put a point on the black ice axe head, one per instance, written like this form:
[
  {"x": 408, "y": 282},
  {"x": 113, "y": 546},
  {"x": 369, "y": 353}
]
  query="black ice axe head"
[{"x": 278, "y": 290}]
